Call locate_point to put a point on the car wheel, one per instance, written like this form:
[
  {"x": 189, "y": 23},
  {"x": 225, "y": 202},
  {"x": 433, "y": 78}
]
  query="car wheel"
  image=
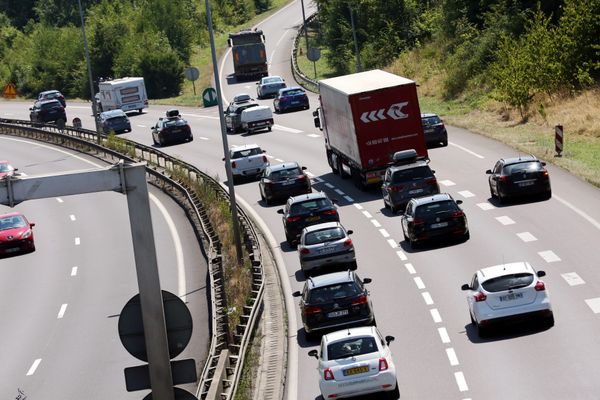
[
  {"x": 466, "y": 236},
  {"x": 161, "y": 141},
  {"x": 405, "y": 237},
  {"x": 472, "y": 320},
  {"x": 492, "y": 194},
  {"x": 394, "y": 394},
  {"x": 191, "y": 138},
  {"x": 548, "y": 195},
  {"x": 501, "y": 198},
  {"x": 482, "y": 331},
  {"x": 266, "y": 200},
  {"x": 310, "y": 336},
  {"x": 353, "y": 265},
  {"x": 549, "y": 321},
  {"x": 413, "y": 243}
]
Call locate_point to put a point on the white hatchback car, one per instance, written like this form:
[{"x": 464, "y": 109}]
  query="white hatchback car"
[
  {"x": 248, "y": 160},
  {"x": 325, "y": 245},
  {"x": 507, "y": 292},
  {"x": 355, "y": 362}
]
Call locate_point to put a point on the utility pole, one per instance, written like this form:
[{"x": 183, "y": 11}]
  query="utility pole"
[
  {"x": 305, "y": 27},
  {"x": 358, "y": 67}
]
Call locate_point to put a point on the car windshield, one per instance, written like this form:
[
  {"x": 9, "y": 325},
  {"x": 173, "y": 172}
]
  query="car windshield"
[
  {"x": 292, "y": 92},
  {"x": 324, "y": 235},
  {"x": 12, "y": 222},
  {"x": 284, "y": 174},
  {"x": 271, "y": 80},
  {"x": 404, "y": 175},
  {"x": 327, "y": 294},
  {"x": 309, "y": 205},
  {"x": 246, "y": 153},
  {"x": 506, "y": 282},
  {"x": 439, "y": 207},
  {"x": 351, "y": 347},
  {"x": 174, "y": 122},
  {"x": 522, "y": 167},
  {"x": 5, "y": 167},
  {"x": 434, "y": 120}
]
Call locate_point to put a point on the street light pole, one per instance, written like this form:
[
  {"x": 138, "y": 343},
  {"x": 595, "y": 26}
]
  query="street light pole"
[
  {"x": 89, "y": 68},
  {"x": 358, "y": 67},
  {"x": 234, "y": 216},
  {"x": 305, "y": 27}
]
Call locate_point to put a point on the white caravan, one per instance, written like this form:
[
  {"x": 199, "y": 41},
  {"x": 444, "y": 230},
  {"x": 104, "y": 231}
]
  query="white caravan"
[{"x": 127, "y": 94}]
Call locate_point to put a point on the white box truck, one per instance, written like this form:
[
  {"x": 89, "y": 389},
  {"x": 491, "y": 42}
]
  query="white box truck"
[{"x": 127, "y": 94}]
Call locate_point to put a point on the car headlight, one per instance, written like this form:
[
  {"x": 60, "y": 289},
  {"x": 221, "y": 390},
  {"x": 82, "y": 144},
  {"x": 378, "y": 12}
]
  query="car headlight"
[{"x": 26, "y": 234}]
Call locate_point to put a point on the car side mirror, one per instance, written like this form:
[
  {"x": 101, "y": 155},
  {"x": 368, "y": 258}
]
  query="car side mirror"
[
  {"x": 297, "y": 293},
  {"x": 459, "y": 201},
  {"x": 334, "y": 200},
  {"x": 465, "y": 287},
  {"x": 223, "y": 159},
  {"x": 489, "y": 172},
  {"x": 264, "y": 151},
  {"x": 433, "y": 171},
  {"x": 543, "y": 163},
  {"x": 314, "y": 353},
  {"x": 541, "y": 273},
  {"x": 31, "y": 225},
  {"x": 280, "y": 211},
  {"x": 303, "y": 168},
  {"x": 30, "y": 108},
  {"x": 350, "y": 232},
  {"x": 367, "y": 280},
  {"x": 389, "y": 339}
]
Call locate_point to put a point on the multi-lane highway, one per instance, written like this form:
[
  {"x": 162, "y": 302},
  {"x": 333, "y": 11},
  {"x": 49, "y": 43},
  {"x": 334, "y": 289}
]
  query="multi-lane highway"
[{"x": 416, "y": 294}]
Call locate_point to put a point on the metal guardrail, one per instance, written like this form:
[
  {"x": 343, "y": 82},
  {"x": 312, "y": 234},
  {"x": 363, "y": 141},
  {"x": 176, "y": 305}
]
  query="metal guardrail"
[
  {"x": 177, "y": 178},
  {"x": 303, "y": 80}
]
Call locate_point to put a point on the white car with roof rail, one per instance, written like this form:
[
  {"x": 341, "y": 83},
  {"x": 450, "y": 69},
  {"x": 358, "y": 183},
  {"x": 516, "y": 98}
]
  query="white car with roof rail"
[{"x": 247, "y": 160}]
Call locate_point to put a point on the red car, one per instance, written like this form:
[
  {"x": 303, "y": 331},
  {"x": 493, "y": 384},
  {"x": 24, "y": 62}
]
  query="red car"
[
  {"x": 16, "y": 235},
  {"x": 5, "y": 169}
]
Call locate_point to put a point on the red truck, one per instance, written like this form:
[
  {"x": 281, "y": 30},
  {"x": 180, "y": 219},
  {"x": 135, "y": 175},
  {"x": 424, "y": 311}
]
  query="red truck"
[{"x": 366, "y": 117}]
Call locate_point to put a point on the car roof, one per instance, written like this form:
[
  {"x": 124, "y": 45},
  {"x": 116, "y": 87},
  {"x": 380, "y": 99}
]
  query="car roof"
[
  {"x": 285, "y": 89},
  {"x": 519, "y": 159},
  {"x": 324, "y": 225},
  {"x": 11, "y": 214},
  {"x": 416, "y": 164},
  {"x": 330, "y": 279},
  {"x": 113, "y": 113},
  {"x": 425, "y": 115},
  {"x": 50, "y": 91},
  {"x": 431, "y": 199},
  {"x": 506, "y": 269},
  {"x": 245, "y": 147},
  {"x": 3, "y": 161},
  {"x": 271, "y": 76},
  {"x": 350, "y": 332},
  {"x": 308, "y": 196},
  {"x": 282, "y": 166},
  {"x": 48, "y": 101},
  {"x": 255, "y": 109}
]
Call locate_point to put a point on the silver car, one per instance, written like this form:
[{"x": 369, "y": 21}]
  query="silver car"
[{"x": 325, "y": 244}]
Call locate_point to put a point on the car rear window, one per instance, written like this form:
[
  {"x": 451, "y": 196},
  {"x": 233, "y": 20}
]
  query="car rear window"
[
  {"x": 292, "y": 92},
  {"x": 411, "y": 174},
  {"x": 285, "y": 173},
  {"x": 351, "y": 347},
  {"x": 309, "y": 205},
  {"x": 506, "y": 282},
  {"x": 428, "y": 121},
  {"x": 50, "y": 105},
  {"x": 531, "y": 166},
  {"x": 12, "y": 222},
  {"x": 272, "y": 80},
  {"x": 426, "y": 210},
  {"x": 117, "y": 120},
  {"x": 246, "y": 153},
  {"x": 324, "y": 235},
  {"x": 174, "y": 122},
  {"x": 326, "y": 294}
]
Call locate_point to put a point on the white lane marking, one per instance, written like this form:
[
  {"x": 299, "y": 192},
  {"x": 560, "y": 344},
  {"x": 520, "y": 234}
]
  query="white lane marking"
[
  {"x": 485, "y": 206},
  {"x": 376, "y": 223},
  {"x": 427, "y": 298},
  {"x": 72, "y": 217},
  {"x": 313, "y": 135},
  {"x": 181, "y": 284},
  {"x": 80, "y": 107},
  {"x": 279, "y": 160},
  {"x": 286, "y": 129},
  {"x": 57, "y": 150},
  {"x": 61, "y": 312},
  {"x": 329, "y": 185},
  {"x": 505, "y": 220},
  {"x": 466, "y": 194},
  {"x": 339, "y": 191},
  {"x": 358, "y": 206},
  {"x": 270, "y": 156},
  {"x": 401, "y": 255},
  {"x": 572, "y": 278},
  {"x": 277, "y": 45},
  {"x": 435, "y": 314},
  {"x": 34, "y": 366},
  {"x": 447, "y": 183},
  {"x": 349, "y": 199},
  {"x": 467, "y": 150},
  {"x": 594, "y": 304},
  {"x": 526, "y": 237},
  {"x": 367, "y": 214},
  {"x": 384, "y": 233},
  {"x": 392, "y": 243},
  {"x": 59, "y": 200},
  {"x": 202, "y": 138},
  {"x": 578, "y": 211},
  {"x": 444, "y": 335},
  {"x": 77, "y": 241},
  {"x": 310, "y": 174},
  {"x": 460, "y": 381},
  {"x": 452, "y": 356},
  {"x": 419, "y": 282},
  {"x": 141, "y": 126},
  {"x": 200, "y": 116},
  {"x": 409, "y": 267},
  {"x": 549, "y": 256},
  {"x": 74, "y": 271}
]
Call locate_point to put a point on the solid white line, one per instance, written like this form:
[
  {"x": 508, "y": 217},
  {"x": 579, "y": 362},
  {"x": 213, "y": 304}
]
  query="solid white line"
[
  {"x": 435, "y": 314},
  {"x": 367, "y": 214},
  {"x": 279, "y": 159},
  {"x": 310, "y": 174},
  {"x": 444, "y": 335},
  {"x": 270, "y": 156},
  {"x": 74, "y": 271},
  {"x": 349, "y": 199},
  {"x": 485, "y": 206},
  {"x": 277, "y": 45},
  {"x": 358, "y": 206},
  {"x": 466, "y": 194},
  {"x": 61, "y": 312},
  {"x": 467, "y": 150},
  {"x": 410, "y": 268},
  {"x": 286, "y": 129},
  {"x": 460, "y": 381},
  {"x": 376, "y": 223},
  {"x": 505, "y": 220},
  {"x": 59, "y": 200},
  {"x": 34, "y": 366},
  {"x": 578, "y": 211},
  {"x": 392, "y": 243},
  {"x": 339, "y": 191},
  {"x": 77, "y": 241},
  {"x": 384, "y": 233},
  {"x": 72, "y": 217},
  {"x": 202, "y": 138},
  {"x": 572, "y": 278},
  {"x": 452, "y": 356},
  {"x": 57, "y": 150},
  {"x": 526, "y": 237},
  {"x": 141, "y": 126},
  {"x": 329, "y": 185},
  {"x": 200, "y": 116},
  {"x": 427, "y": 298},
  {"x": 313, "y": 135},
  {"x": 401, "y": 255},
  {"x": 549, "y": 256},
  {"x": 419, "y": 282}
]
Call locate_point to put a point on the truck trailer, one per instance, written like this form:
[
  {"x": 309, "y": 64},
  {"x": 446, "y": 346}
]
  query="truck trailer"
[
  {"x": 249, "y": 54},
  {"x": 127, "y": 94},
  {"x": 365, "y": 118}
]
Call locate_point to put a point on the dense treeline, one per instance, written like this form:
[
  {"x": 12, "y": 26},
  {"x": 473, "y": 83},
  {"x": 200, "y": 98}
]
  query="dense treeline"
[
  {"x": 515, "y": 48},
  {"x": 41, "y": 45}
]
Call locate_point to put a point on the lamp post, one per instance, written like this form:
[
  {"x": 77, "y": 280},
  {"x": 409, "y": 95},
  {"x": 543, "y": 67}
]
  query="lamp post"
[
  {"x": 89, "y": 68},
  {"x": 234, "y": 217},
  {"x": 358, "y": 67},
  {"x": 304, "y": 24}
]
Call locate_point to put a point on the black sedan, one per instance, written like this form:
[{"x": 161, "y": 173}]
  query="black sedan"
[
  {"x": 519, "y": 176},
  {"x": 436, "y": 216},
  {"x": 172, "y": 129},
  {"x": 281, "y": 181},
  {"x": 435, "y": 130},
  {"x": 305, "y": 210}
]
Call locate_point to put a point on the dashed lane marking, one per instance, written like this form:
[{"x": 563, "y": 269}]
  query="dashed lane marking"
[
  {"x": 72, "y": 217},
  {"x": 505, "y": 220},
  {"x": 427, "y": 298},
  {"x": 74, "y": 271},
  {"x": 141, "y": 126},
  {"x": 349, "y": 199},
  {"x": 410, "y": 268},
  {"x": 313, "y": 135},
  {"x": 466, "y": 150},
  {"x": 384, "y": 233},
  {"x": 466, "y": 194},
  {"x": 202, "y": 138},
  {"x": 447, "y": 183},
  {"x": 526, "y": 237},
  {"x": 329, "y": 185},
  {"x": 419, "y": 282},
  {"x": 549, "y": 256},
  {"x": 278, "y": 160},
  {"x": 460, "y": 381},
  {"x": 367, "y": 214},
  {"x": 392, "y": 243},
  {"x": 358, "y": 206},
  {"x": 444, "y": 335},
  {"x": 594, "y": 304},
  {"x": 485, "y": 206},
  {"x": 452, "y": 356},
  {"x": 339, "y": 191},
  {"x": 77, "y": 241},
  {"x": 270, "y": 156},
  {"x": 401, "y": 255},
  {"x": 435, "y": 314},
  {"x": 572, "y": 278},
  {"x": 34, "y": 366},
  {"x": 376, "y": 223},
  {"x": 59, "y": 200},
  {"x": 61, "y": 312}
]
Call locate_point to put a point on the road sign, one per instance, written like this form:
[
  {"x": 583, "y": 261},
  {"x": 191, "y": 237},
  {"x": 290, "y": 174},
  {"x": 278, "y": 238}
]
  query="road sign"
[
  {"x": 191, "y": 73},
  {"x": 209, "y": 97},
  {"x": 180, "y": 394},
  {"x": 76, "y": 122},
  {"x": 177, "y": 317},
  {"x": 10, "y": 91},
  {"x": 182, "y": 371},
  {"x": 313, "y": 54}
]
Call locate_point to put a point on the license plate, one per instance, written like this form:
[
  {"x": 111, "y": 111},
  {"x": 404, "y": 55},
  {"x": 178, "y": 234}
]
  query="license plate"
[
  {"x": 295, "y": 102},
  {"x": 356, "y": 370},
  {"x": 439, "y": 225},
  {"x": 339, "y": 313},
  {"x": 176, "y": 131},
  {"x": 529, "y": 183},
  {"x": 511, "y": 296},
  {"x": 415, "y": 191},
  {"x": 429, "y": 130},
  {"x": 287, "y": 183},
  {"x": 12, "y": 250},
  {"x": 324, "y": 250},
  {"x": 315, "y": 218}
]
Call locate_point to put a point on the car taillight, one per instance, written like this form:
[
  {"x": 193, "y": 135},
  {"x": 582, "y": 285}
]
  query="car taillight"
[
  {"x": 304, "y": 250},
  {"x": 383, "y": 365},
  {"x": 396, "y": 188},
  {"x": 418, "y": 221},
  {"x": 301, "y": 177},
  {"x": 503, "y": 178},
  {"x": 431, "y": 181},
  {"x": 348, "y": 243},
  {"x": 457, "y": 214},
  {"x": 546, "y": 173},
  {"x": 539, "y": 286},
  {"x": 233, "y": 164},
  {"x": 328, "y": 374},
  {"x": 61, "y": 109},
  {"x": 329, "y": 212},
  {"x": 312, "y": 310},
  {"x": 264, "y": 158},
  {"x": 188, "y": 127},
  {"x": 479, "y": 296},
  {"x": 360, "y": 300},
  {"x": 293, "y": 219}
]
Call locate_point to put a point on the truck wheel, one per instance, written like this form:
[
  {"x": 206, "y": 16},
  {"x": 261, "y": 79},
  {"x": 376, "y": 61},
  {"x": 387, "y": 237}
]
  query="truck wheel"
[
  {"x": 357, "y": 179},
  {"x": 340, "y": 165},
  {"x": 331, "y": 163}
]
